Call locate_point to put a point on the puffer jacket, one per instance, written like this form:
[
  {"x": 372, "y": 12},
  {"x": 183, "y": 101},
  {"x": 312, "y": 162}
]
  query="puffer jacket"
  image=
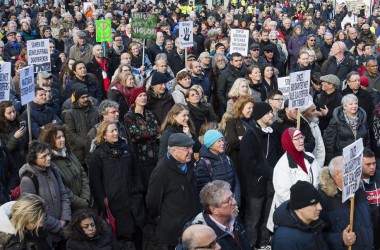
[
  {"x": 293, "y": 234},
  {"x": 337, "y": 215},
  {"x": 74, "y": 177},
  {"x": 79, "y": 121},
  {"x": 339, "y": 135},
  {"x": 53, "y": 192},
  {"x": 221, "y": 169}
]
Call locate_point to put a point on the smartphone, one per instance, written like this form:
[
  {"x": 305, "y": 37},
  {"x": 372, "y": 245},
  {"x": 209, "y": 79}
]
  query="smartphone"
[{"x": 22, "y": 124}]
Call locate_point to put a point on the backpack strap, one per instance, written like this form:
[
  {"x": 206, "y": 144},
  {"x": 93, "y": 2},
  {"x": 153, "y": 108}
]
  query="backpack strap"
[
  {"x": 34, "y": 179},
  {"x": 209, "y": 166}
]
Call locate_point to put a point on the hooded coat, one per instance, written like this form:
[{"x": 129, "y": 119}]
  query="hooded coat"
[{"x": 337, "y": 215}]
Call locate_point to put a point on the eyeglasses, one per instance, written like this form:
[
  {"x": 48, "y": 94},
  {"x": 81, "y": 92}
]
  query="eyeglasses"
[
  {"x": 44, "y": 157},
  {"x": 278, "y": 99},
  {"x": 212, "y": 245},
  {"x": 230, "y": 199},
  {"x": 301, "y": 138},
  {"x": 118, "y": 40}
]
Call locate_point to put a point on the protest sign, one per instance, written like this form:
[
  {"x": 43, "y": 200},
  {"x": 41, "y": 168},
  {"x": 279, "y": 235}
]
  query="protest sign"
[
  {"x": 27, "y": 84},
  {"x": 5, "y": 79},
  {"x": 284, "y": 87},
  {"x": 39, "y": 55},
  {"x": 103, "y": 31},
  {"x": 352, "y": 158},
  {"x": 299, "y": 89},
  {"x": 239, "y": 41},
  {"x": 144, "y": 25},
  {"x": 186, "y": 34}
]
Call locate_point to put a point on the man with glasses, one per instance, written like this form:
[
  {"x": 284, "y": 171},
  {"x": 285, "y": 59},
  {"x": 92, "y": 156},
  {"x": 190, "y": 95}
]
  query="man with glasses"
[
  {"x": 115, "y": 51},
  {"x": 200, "y": 237},
  {"x": 79, "y": 120},
  {"x": 254, "y": 50},
  {"x": 220, "y": 212},
  {"x": 172, "y": 193}
]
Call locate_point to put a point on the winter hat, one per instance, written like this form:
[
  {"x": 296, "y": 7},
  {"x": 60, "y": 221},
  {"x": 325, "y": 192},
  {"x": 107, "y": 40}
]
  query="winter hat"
[
  {"x": 158, "y": 78},
  {"x": 364, "y": 81},
  {"x": 78, "y": 93},
  {"x": 135, "y": 93},
  {"x": 180, "y": 140},
  {"x": 218, "y": 45},
  {"x": 332, "y": 79},
  {"x": 260, "y": 109},
  {"x": 211, "y": 137},
  {"x": 303, "y": 194}
]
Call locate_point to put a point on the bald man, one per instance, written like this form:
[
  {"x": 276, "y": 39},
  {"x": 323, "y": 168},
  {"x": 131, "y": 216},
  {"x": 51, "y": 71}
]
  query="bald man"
[
  {"x": 199, "y": 236},
  {"x": 339, "y": 62}
]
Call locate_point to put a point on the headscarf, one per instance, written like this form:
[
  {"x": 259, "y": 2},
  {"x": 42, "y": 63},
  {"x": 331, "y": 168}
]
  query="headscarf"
[{"x": 288, "y": 146}]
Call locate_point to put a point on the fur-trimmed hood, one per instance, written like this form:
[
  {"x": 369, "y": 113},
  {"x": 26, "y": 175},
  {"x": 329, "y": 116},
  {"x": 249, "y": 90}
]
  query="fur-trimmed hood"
[{"x": 326, "y": 183}]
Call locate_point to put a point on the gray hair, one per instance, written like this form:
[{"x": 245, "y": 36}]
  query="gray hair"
[
  {"x": 105, "y": 105},
  {"x": 211, "y": 19},
  {"x": 96, "y": 46},
  {"x": 161, "y": 56},
  {"x": 215, "y": 58},
  {"x": 328, "y": 34},
  {"x": 11, "y": 22},
  {"x": 348, "y": 98},
  {"x": 336, "y": 165},
  {"x": 212, "y": 33},
  {"x": 287, "y": 20},
  {"x": 211, "y": 194}
]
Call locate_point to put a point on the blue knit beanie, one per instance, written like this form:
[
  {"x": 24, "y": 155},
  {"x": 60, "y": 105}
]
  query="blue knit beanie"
[{"x": 211, "y": 137}]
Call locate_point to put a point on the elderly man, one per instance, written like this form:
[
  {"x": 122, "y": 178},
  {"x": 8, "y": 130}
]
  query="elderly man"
[
  {"x": 352, "y": 36},
  {"x": 339, "y": 63},
  {"x": 326, "y": 46},
  {"x": 372, "y": 73},
  {"x": 220, "y": 212},
  {"x": 172, "y": 193},
  {"x": 336, "y": 214},
  {"x": 298, "y": 223},
  {"x": 156, "y": 47},
  {"x": 199, "y": 236},
  {"x": 176, "y": 58},
  {"x": 81, "y": 51}
]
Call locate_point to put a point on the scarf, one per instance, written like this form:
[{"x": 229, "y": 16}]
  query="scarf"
[
  {"x": 199, "y": 113},
  {"x": 247, "y": 123},
  {"x": 106, "y": 79},
  {"x": 181, "y": 166},
  {"x": 14, "y": 45},
  {"x": 116, "y": 149},
  {"x": 288, "y": 146},
  {"x": 117, "y": 50},
  {"x": 136, "y": 61},
  {"x": 124, "y": 91},
  {"x": 352, "y": 122}
]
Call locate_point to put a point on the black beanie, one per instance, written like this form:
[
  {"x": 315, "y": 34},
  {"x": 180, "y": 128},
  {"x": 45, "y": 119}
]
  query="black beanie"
[
  {"x": 303, "y": 194},
  {"x": 260, "y": 109},
  {"x": 158, "y": 78},
  {"x": 78, "y": 93}
]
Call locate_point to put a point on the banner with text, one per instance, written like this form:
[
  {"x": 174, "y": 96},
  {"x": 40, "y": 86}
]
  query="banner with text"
[
  {"x": 27, "y": 84},
  {"x": 144, "y": 25},
  {"x": 5, "y": 80},
  {"x": 39, "y": 55},
  {"x": 299, "y": 89},
  {"x": 239, "y": 41},
  {"x": 186, "y": 38},
  {"x": 284, "y": 87},
  {"x": 352, "y": 171}
]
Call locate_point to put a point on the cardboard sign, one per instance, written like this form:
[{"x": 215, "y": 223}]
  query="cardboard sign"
[
  {"x": 27, "y": 84},
  {"x": 239, "y": 41},
  {"x": 5, "y": 80},
  {"x": 144, "y": 25},
  {"x": 39, "y": 54},
  {"x": 186, "y": 35},
  {"x": 299, "y": 89},
  {"x": 284, "y": 87},
  {"x": 352, "y": 171}
]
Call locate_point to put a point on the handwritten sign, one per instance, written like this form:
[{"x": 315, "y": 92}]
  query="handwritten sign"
[
  {"x": 299, "y": 89},
  {"x": 186, "y": 38},
  {"x": 27, "y": 84},
  {"x": 5, "y": 79},
  {"x": 352, "y": 158},
  {"x": 284, "y": 87},
  {"x": 144, "y": 25},
  {"x": 239, "y": 41},
  {"x": 39, "y": 55}
]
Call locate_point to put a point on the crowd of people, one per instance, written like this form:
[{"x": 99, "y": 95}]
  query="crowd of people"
[{"x": 202, "y": 145}]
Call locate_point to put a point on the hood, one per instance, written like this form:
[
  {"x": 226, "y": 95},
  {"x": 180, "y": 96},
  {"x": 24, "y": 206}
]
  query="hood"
[
  {"x": 5, "y": 215},
  {"x": 326, "y": 183},
  {"x": 339, "y": 116},
  {"x": 27, "y": 167}
]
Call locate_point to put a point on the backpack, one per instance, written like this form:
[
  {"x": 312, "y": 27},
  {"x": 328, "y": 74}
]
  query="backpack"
[{"x": 208, "y": 164}]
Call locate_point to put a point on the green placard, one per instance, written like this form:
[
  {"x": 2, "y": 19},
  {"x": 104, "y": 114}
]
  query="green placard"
[
  {"x": 144, "y": 25},
  {"x": 103, "y": 31}
]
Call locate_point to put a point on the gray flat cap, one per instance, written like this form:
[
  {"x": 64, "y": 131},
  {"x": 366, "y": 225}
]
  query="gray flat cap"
[
  {"x": 180, "y": 140},
  {"x": 332, "y": 79}
]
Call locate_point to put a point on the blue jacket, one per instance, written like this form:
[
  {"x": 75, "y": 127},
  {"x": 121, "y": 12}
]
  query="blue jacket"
[
  {"x": 222, "y": 169},
  {"x": 337, "y": 215},
  {"x": 293, "y": 234}
]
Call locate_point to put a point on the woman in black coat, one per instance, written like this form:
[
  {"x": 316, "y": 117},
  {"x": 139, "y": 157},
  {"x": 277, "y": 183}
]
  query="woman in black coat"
[
  {"x": 115, "y": 183},
  {"x": 87, "y": 231}
]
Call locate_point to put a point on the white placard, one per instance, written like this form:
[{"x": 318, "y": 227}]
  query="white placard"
[
  {"x": 5, "y": 80},
  {"x": 39, "y": 55},
  {"x": 186, "y": 36},
  {"x": 284, "y": 87},
  {"x": 352, "y": 172},
  {"x": 27, "y": 84},
  {"x": 88, "y": 6},
  {"x": 299, "y": 89},
  {"x": 239, "y": 41}
]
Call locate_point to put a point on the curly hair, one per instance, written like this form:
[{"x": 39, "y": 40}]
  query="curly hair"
[
  {"x": 48, "y": 135},
  {"x": 74, "y": 229},
  {"x": 35, "y": 147}
]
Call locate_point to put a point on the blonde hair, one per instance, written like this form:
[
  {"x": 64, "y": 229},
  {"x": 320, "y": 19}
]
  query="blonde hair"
[
  {"x": 102, "y": 130},
  {"x": 223, "y": 122},
  {"x": 122, "y": 78},
  {"x": 30, "y": 209},
  {"x": 174, "y": 111},
  {"x": 234, "y": 91},
  {"x": 200, "y": 91}
]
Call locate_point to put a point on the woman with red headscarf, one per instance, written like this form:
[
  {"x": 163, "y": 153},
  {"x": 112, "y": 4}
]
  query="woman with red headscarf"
[{"x": 294, "y": 165}]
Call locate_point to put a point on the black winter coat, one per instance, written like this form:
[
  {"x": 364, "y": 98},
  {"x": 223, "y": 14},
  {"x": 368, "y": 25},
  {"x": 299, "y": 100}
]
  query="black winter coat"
[
  {"x": 339, "y": 135},
  {"x": 173, "y": 196},
  {"x": 259, "y": 160},
  {"x": 115, "y": 175},
  {"x": 90, "y": 82},
  {"x": 176, "y": 62},
  {"x": 372, "y": 189},
  {"x": 221, "y": 169},
  {"x": 341, "y": 71},
  {"x": 293, "y": 234},
  {"x": 94, "y": 68},
  {"x": 331, "y": 101},
  {"x": 160, "y": 106},
  {"x": 365, "y": 100}
]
